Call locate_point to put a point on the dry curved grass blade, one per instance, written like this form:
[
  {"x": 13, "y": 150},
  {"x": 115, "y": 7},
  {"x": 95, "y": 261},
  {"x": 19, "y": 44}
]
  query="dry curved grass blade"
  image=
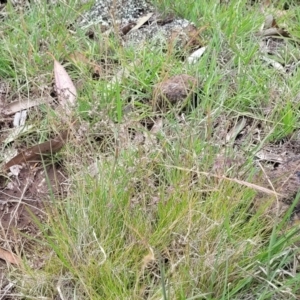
[{"x": 241, "y": 182}]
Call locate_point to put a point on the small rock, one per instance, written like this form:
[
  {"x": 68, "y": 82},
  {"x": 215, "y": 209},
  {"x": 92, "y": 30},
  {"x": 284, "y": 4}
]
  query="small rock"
[
  {"x": 173, "y": 92},
  {"x": 159, "y": 31},
  {"x": 179, "y": 34}
]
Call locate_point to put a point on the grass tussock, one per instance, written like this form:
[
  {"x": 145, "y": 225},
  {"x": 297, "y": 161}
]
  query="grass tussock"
[{"x": 148, "y": 213}]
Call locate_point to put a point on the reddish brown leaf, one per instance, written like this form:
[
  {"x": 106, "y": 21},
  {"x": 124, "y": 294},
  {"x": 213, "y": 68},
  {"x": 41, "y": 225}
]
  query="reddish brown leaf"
[{"x": 34, "y": 153}]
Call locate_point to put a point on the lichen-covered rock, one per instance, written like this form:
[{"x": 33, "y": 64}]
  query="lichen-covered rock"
[
  {"x": 177, "y": 33},
  {"x": 115, "y": 12},
  {"x": 159, "y": 31},
  {"x": 174, "y": 91}
]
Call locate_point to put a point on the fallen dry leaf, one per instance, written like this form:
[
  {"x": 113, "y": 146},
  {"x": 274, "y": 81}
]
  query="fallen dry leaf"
[
  {"x": 141, "y": 21},
  {"x": 65, "y": 88},
  {"x": 34, "y": 153},
  {"x": 9, "y": 257},
  {"x": 273, "y": 32},
  {"x": 17, "y": 106},
  {"x": 194, "y": 57}
]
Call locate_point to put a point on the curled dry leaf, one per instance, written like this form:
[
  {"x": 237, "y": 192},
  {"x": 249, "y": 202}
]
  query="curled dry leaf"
[
  {"x": 65, "y": 88},
  {"x": 9, "y": 257}
]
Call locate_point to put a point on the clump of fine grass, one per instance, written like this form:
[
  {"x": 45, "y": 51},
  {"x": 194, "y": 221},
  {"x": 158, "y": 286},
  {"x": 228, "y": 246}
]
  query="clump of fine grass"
[{"x": 152, "y": 223}]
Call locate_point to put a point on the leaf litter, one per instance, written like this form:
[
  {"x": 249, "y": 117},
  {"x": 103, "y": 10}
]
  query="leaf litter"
[{"x": 27, "y": 183}]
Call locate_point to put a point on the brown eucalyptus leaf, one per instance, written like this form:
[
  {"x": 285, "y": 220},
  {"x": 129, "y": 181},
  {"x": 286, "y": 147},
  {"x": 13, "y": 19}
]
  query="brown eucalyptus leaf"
[
  {"x": 34, "y": 153},
  {"x": 65, "y": 88},
  {"x": 9, "y": 257}
]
